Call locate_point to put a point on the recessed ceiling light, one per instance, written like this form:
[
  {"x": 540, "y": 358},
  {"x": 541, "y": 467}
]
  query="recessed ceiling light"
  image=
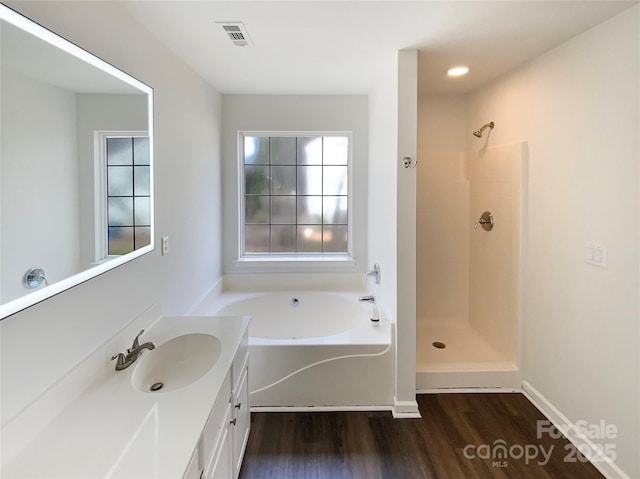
[{"x": 457, "y": 71}]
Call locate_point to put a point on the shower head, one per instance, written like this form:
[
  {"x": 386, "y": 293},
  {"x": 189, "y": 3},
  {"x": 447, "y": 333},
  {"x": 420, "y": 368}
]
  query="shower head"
[{"x": 478, "y": 133}]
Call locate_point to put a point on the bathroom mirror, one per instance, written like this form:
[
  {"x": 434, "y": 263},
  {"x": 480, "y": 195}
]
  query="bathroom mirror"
[{"x": 76, "y": 165}]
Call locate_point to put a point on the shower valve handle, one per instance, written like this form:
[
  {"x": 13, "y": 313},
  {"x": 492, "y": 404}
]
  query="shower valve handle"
[{"x": 486, "y": 221}]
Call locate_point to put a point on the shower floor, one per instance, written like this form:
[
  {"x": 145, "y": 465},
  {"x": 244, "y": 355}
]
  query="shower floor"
[{"x": 467, "y": 361}]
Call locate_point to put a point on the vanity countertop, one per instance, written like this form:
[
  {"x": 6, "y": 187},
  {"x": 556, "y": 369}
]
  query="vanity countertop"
[{"x": 113, "y": 430}]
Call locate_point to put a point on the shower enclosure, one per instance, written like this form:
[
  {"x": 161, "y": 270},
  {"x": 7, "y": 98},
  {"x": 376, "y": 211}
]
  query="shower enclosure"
[{"x": 469, "y": 202}]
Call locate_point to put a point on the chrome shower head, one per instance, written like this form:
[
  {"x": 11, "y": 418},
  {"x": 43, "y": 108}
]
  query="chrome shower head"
[{"x": 478, "y": 133}]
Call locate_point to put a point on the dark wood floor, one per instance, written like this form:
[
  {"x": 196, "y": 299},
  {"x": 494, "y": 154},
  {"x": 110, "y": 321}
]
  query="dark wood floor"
[{"x": 370, "y": 445}]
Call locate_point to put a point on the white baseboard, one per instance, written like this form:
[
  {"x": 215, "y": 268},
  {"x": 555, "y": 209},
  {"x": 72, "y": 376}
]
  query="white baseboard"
[
  {"x": 468, "y": 390},
  {"x": 509, "y": 377},
  {"x": 405, "y": 409},
  {"x": 602, "y": 463},
  {"x": 319, "y": 408}
]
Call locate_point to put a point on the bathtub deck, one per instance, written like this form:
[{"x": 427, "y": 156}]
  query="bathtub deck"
[{"x": 368, "y": 445}]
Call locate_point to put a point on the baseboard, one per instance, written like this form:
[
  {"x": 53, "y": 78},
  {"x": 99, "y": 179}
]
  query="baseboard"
[
  {"x": 405, "y": 409},
  {"x": 508, "y": 377},
  {"x": 319, "y": 408},
  {"x": 602, "y": 463},
  {"x": 472, "y": 390}
]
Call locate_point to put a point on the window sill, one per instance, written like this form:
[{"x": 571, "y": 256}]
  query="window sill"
[{"x": 297, "y": 263}]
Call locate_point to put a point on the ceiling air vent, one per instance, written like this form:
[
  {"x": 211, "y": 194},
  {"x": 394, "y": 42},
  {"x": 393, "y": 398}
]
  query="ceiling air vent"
[{"x": 236, "y": 32}]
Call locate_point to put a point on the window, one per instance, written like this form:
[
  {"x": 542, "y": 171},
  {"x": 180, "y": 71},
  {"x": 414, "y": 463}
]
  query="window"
[
  {"x": 126, "y": 224},
  {"x": 295, "y": 194}
]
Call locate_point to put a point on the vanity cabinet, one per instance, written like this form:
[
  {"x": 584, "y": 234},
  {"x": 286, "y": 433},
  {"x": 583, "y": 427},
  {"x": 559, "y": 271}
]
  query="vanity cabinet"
[
  {"x": 241, "y": 421},
  {"x": 224, "y": 439}
]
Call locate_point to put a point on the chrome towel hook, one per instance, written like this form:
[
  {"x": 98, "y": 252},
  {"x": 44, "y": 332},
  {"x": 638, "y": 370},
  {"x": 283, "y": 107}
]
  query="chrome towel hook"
[{"x": 486, "y": 221}]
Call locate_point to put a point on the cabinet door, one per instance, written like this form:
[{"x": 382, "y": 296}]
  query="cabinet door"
[
  {"x": 243, "y": 420},
  {"x": 222, "y": 464}
]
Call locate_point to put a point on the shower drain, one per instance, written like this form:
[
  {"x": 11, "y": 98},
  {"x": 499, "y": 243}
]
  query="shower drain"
[{"x": 439, "y": 345}]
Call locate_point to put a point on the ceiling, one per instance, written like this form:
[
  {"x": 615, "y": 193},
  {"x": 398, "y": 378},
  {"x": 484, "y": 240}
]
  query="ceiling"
[{"x": 339, "y": 47}]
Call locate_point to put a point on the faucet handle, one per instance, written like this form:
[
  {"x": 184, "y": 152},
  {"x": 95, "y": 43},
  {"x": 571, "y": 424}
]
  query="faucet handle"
[
  {"x": 136, "y": 342},
  {"x": 121, "y": 361}
]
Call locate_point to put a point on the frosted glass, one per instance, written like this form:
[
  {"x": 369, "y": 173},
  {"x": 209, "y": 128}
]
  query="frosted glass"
[
  {"x": 309, "y": 239},
  {"x": 334, "y": 180},
  {"x": 310, "y": 151},
  {"x": 334, "y": 210},
  {"x": 142, "y": 212},
  {"x": 143, "y": 236},
  {"x": 335, "y": 150},
  {"x": 309, "y": 210},
  {"x": 256, "y": 150},
  {"x": 256, "y": 238},
  {"x": 119, "y": 151},
  {"x": 120, "y": 211},
  {"x": 334, "y": 239},
  {"x": 309, "y": 180},
  {"x": 141, "y": 185},
  {"x": 120, "y": 240},
  {"x": 119, "y": 181},
  {"x": 283, "y": 239},
  {"x": 283, "y": 151},
  {"x": 256, "y": 180},
  {"x": 141, "y": 151},
  {"x": 283, "y": 209},
  {"x": 283, "y": 180},
  {"x": 256, "y": 209}
]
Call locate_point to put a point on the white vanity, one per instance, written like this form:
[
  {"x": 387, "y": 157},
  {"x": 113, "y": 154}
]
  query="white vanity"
[{"x": 101, "y": 423}]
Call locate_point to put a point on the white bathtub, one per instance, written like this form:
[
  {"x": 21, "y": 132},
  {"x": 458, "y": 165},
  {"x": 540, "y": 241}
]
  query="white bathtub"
[
  {"x": 303, "y": 317},
  {"x": 313, "y": 349}
]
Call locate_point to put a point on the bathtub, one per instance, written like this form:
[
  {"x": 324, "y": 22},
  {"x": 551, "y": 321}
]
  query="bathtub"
[{"x": 313, "y": 349}]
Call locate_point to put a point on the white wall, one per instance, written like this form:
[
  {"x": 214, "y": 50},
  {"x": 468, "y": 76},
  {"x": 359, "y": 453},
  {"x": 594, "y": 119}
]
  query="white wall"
[
  {"x": 442, "y": 210},
  {"x": 495, "y": 176},
  {"x": 40, "y": 212},
  {"x": 406, "y": 233},
  {"x": 382, "y": 197},
  {"x": 295, "y": 113},
  {"x": 392, "y": 106},
  {"x": 101, "y": 112},
  {"x": 578, "y": 108},
  {"x": 42, "y": 343}
]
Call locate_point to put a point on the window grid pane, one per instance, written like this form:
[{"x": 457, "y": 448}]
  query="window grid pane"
[
  {"x": 295, "y": 195},
  {"x": 128, "y": 194}
]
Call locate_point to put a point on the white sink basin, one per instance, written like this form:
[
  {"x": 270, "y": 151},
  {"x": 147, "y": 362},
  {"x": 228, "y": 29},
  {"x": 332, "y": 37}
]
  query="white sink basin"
[{"x": 176, "y": 363}]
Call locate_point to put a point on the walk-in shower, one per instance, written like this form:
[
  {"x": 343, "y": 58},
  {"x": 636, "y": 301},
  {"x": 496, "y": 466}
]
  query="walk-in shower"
[
  {"x": 468, "y": 270},
  {"x": 479, "y": 132}
]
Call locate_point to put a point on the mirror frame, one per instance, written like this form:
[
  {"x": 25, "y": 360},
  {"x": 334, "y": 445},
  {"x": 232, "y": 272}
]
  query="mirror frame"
[{"x": 34, "y": 297}]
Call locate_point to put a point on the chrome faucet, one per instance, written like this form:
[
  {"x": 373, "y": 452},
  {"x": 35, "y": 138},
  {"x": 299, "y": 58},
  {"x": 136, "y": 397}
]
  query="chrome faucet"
[
  {"x": 367, "y": 299},
  {"x": 124, "y": 360},
  {"x": 375, "y": 273}
]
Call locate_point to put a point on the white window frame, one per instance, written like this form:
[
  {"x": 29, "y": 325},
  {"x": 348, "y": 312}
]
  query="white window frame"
[
  {"x": 100, "y": 189},
  {"x": 288, "y": 258}
]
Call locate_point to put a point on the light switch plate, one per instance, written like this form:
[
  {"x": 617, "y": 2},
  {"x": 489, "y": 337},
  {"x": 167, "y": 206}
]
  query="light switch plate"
[
  {"x": 595, "y": 254},
  {"x": 165, "y": 245}
]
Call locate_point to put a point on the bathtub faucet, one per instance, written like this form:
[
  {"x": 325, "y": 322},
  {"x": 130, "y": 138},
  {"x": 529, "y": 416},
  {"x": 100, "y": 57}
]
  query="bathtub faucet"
[{"x": 367, "y": 299}]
